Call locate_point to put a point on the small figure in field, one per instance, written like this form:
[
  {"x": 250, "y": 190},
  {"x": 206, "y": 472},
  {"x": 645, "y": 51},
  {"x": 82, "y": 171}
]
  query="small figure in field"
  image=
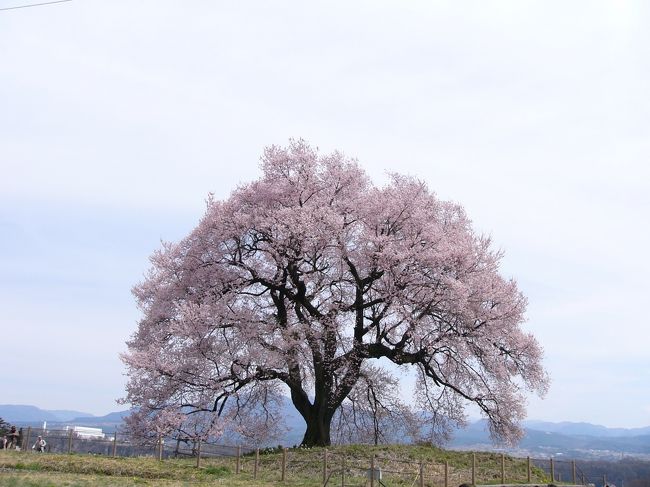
[
  {"x": 39, "y": 445},
  {"x": 12, "y": 439}
]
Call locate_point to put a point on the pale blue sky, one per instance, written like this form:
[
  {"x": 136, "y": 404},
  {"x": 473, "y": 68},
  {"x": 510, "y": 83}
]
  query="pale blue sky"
[{"x": 117, "y": 118}]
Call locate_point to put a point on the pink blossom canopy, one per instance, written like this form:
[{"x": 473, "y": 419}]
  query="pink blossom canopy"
[{"x": 300, "y": 280}]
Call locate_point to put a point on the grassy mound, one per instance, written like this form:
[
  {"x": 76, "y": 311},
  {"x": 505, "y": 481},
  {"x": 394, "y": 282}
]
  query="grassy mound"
[{"x": 400, "y": 466}]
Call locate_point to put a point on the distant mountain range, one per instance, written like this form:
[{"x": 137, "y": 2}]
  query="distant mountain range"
[
  {"x": 25, "y": 415},
  {"x": 542, "y": 438},
  {"x": 22, "y": 413},
  {"x": 573, "y": 440},
  {"x": 585, "y": 429}
]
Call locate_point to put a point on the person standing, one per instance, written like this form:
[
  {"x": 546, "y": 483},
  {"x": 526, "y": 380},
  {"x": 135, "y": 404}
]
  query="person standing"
[
  {"x": 39, "y": 446},
  {"x": 12, "y": 438}
]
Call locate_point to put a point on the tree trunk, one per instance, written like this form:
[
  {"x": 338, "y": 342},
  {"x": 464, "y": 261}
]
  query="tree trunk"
[
  {"x": 318, "y": 431},
  {"x": 317, "y": 416}
]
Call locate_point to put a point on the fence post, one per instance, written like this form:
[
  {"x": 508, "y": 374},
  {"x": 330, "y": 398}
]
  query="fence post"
[
  {"x": 446, "y": 473},
  {"x": 198, "y": 454},
  {"x": 552, "y": 471},
  {"x": 503, "y": 468},
  {"x": 69, "y": 441},
  {"x": 284, "y": 463},
  {"x": 343, "y": 471},
  {"x": 114, "y": 443},
  {"x": 528, "y": 468},
  {"x": 29, "y": 433},
  {"x": 257, "y": 462},
  {"x": 324, "y": 465},
  {"x": 160, "y": 447},
  {"x": 238, "y": 464},
  {"x": 421, "y": 473},
  {"x": 473, "y": 468},
  {"x": 372, "y": 470},
  {"x": 573, "y": 471}
]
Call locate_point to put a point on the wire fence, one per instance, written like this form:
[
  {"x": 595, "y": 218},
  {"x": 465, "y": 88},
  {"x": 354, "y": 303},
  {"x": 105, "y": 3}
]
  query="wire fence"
[{"x": 351, "y": 467}]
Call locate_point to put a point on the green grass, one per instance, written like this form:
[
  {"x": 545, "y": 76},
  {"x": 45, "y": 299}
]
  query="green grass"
[{"x": 400, "y": 465}]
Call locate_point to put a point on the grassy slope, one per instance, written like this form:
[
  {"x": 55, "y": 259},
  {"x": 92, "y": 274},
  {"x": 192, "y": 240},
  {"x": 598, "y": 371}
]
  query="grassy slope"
[{"x": 399, "y": 464}]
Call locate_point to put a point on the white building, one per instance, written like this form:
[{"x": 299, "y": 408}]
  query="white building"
[{"x": 86, "y": 432}]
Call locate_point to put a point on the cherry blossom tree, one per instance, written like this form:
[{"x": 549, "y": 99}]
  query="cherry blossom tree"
[{"x": 302, "y": 280}]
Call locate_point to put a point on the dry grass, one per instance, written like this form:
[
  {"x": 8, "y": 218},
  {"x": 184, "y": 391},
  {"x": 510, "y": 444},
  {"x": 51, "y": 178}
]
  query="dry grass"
[{"x": 400, "y": 465}]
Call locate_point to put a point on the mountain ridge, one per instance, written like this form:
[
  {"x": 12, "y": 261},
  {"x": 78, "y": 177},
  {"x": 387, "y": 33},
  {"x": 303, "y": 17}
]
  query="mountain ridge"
[
  {"x": 545, "y": 438},
  {"x": 28, "y": 413},
  {"x": 585, "y": 429}
]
